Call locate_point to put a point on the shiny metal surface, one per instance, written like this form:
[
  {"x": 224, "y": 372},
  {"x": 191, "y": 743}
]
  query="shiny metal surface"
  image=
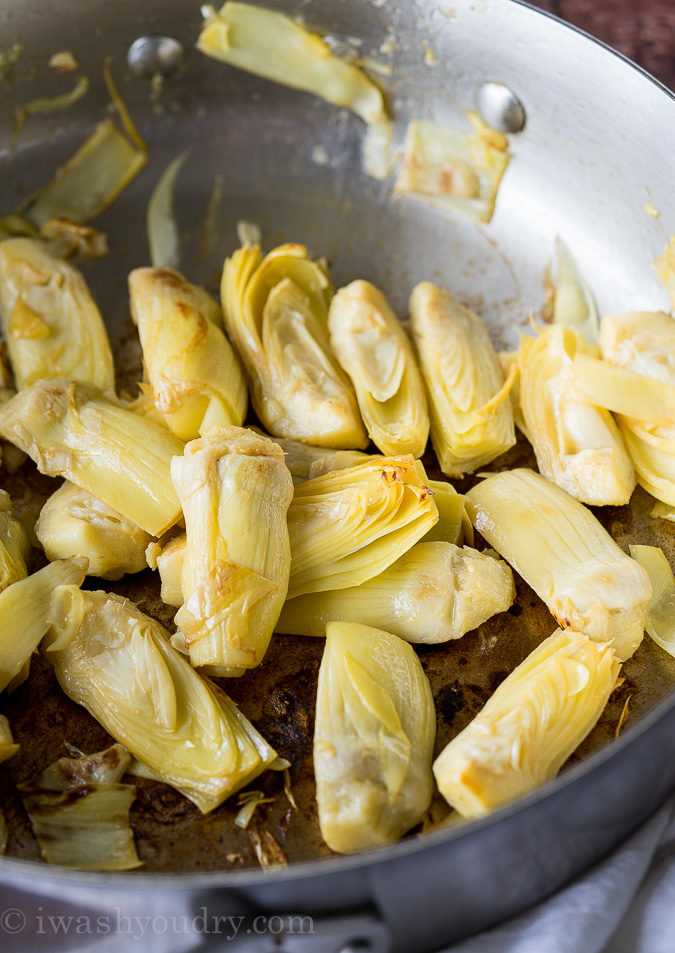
[{"x": 598, "y": 143}]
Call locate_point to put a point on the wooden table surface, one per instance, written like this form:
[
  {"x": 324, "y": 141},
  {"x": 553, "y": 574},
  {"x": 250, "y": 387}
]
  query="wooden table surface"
[{"x": 642, "y": 29}]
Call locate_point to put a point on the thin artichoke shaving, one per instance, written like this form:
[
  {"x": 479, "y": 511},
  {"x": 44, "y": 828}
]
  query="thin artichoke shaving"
[
  {"x": 91, "y": 179},
  {"x": 624, "y": 391},
  {"x": 49, "y": 318},
  {"x": 72, "y": 522},
  {"x": 14, "y": 545},
  {"x": 577, "y": 444},
  {"x": 276, "y": 312},
  {"x": 348, "y": 526},
  {"x": 80, "y": 812},
  {"x": 235, "y": 491},
  {"x": 123, "y": 459},
  {"x": 270, "y": 44},
  {"x": 661, "y": 612},
  {"x": 534, "y": 721},
  {"x": 373, "y": 738},
  {"x": 373, "y": 349},
  {"x": 665, "y": 268},
  {"x": 573, "y": 302},
  {"x": 163, "y": 235},
  {"x": 196, "y": 379},
  {"x": 25, "y": 610},
  {"x": 471, "y": 415},
  {"x": 453, "y": 170},
  {"x": 565, "y": 555},
  {"x": 46, "y": 105},
  {"x": 118, "y": 663},
  {"x": 435, "y": 592}
]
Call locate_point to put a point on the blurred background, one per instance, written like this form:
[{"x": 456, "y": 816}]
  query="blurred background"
[{"x": 642, "y": 29}]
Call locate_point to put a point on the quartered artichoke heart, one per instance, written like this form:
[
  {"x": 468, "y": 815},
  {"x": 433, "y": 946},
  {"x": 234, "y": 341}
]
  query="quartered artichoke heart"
[
  {"x": 577, "y": 444},
  {"x": 270, "y": 44},
  {"x": 471, "y": 415},
  {"x": 235, "y": 491},
  {"x": 348, "y": 526},
  {"x": 14, "y": 544},
  {"x": 195, "y": 376},
  {"x": 276, "y": 311},
  {"x": 80, "y": 811},
  {"x": 25, "y": 610},
  {"x": 121, "y": 458},
  {"x": 117, "y": 662},
  {"x": 49, "y": 318},
  {"x": 637, "y": 381},
  {"x": 373, "y": 738},
  {"x": 72, "y": 522},
  {"x": 534, "y": 721},
  {"x": 434, "y": 592},
  {"x": 374, "y": 350},
  {"x": 565, "y": 555}
]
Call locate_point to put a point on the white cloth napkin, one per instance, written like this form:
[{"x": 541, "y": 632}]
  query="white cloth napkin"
[{"x": 625, "y": 904}]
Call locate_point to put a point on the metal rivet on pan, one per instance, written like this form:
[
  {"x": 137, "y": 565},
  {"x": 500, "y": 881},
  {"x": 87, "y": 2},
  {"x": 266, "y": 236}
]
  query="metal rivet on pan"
[
  {"x": 500, "y": 107},
  {"x": 150, "y": 55}
]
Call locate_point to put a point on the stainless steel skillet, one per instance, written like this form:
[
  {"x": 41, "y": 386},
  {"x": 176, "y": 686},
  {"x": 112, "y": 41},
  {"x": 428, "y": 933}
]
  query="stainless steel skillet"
[{"x": 597, "y": 144}]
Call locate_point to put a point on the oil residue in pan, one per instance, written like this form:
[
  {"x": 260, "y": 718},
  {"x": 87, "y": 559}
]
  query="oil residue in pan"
[{"x": 279, "y": 698}]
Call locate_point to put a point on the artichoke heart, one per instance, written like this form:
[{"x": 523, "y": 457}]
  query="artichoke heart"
[
  {"x": 661, "y": 613},
  {"x": 375, "y": 352},
  {"x": 577, "y": 444},
  {"x": 118, "y": 663},
  {"x": 72, "y": 522},
  {"x": 80, "y": 811},
  {"x": 121, "y": 458},
  {"x": 25, "y": 610},
  {"x": 49, "y": 318},
  {"x": 471, "y": 415},
  {"x": 348, "y": 526},
  {"x": 565, "y": 555},
  {"x": 235, "y": 491},
  {"x": 452, "y": 170},
  {"x": 195, "y": 376},
  {"x": 14, "y": 545},
  {"x": 434, "y": 592},
  {"x": 268, "y": 43},
  {"x": 373, "y": 738},
  {"x": 534, "y": 721},
  {"x": 637, "y": 381},
  {"x": 168, "y": 560},
  {"x": 276, "y": 313}
]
